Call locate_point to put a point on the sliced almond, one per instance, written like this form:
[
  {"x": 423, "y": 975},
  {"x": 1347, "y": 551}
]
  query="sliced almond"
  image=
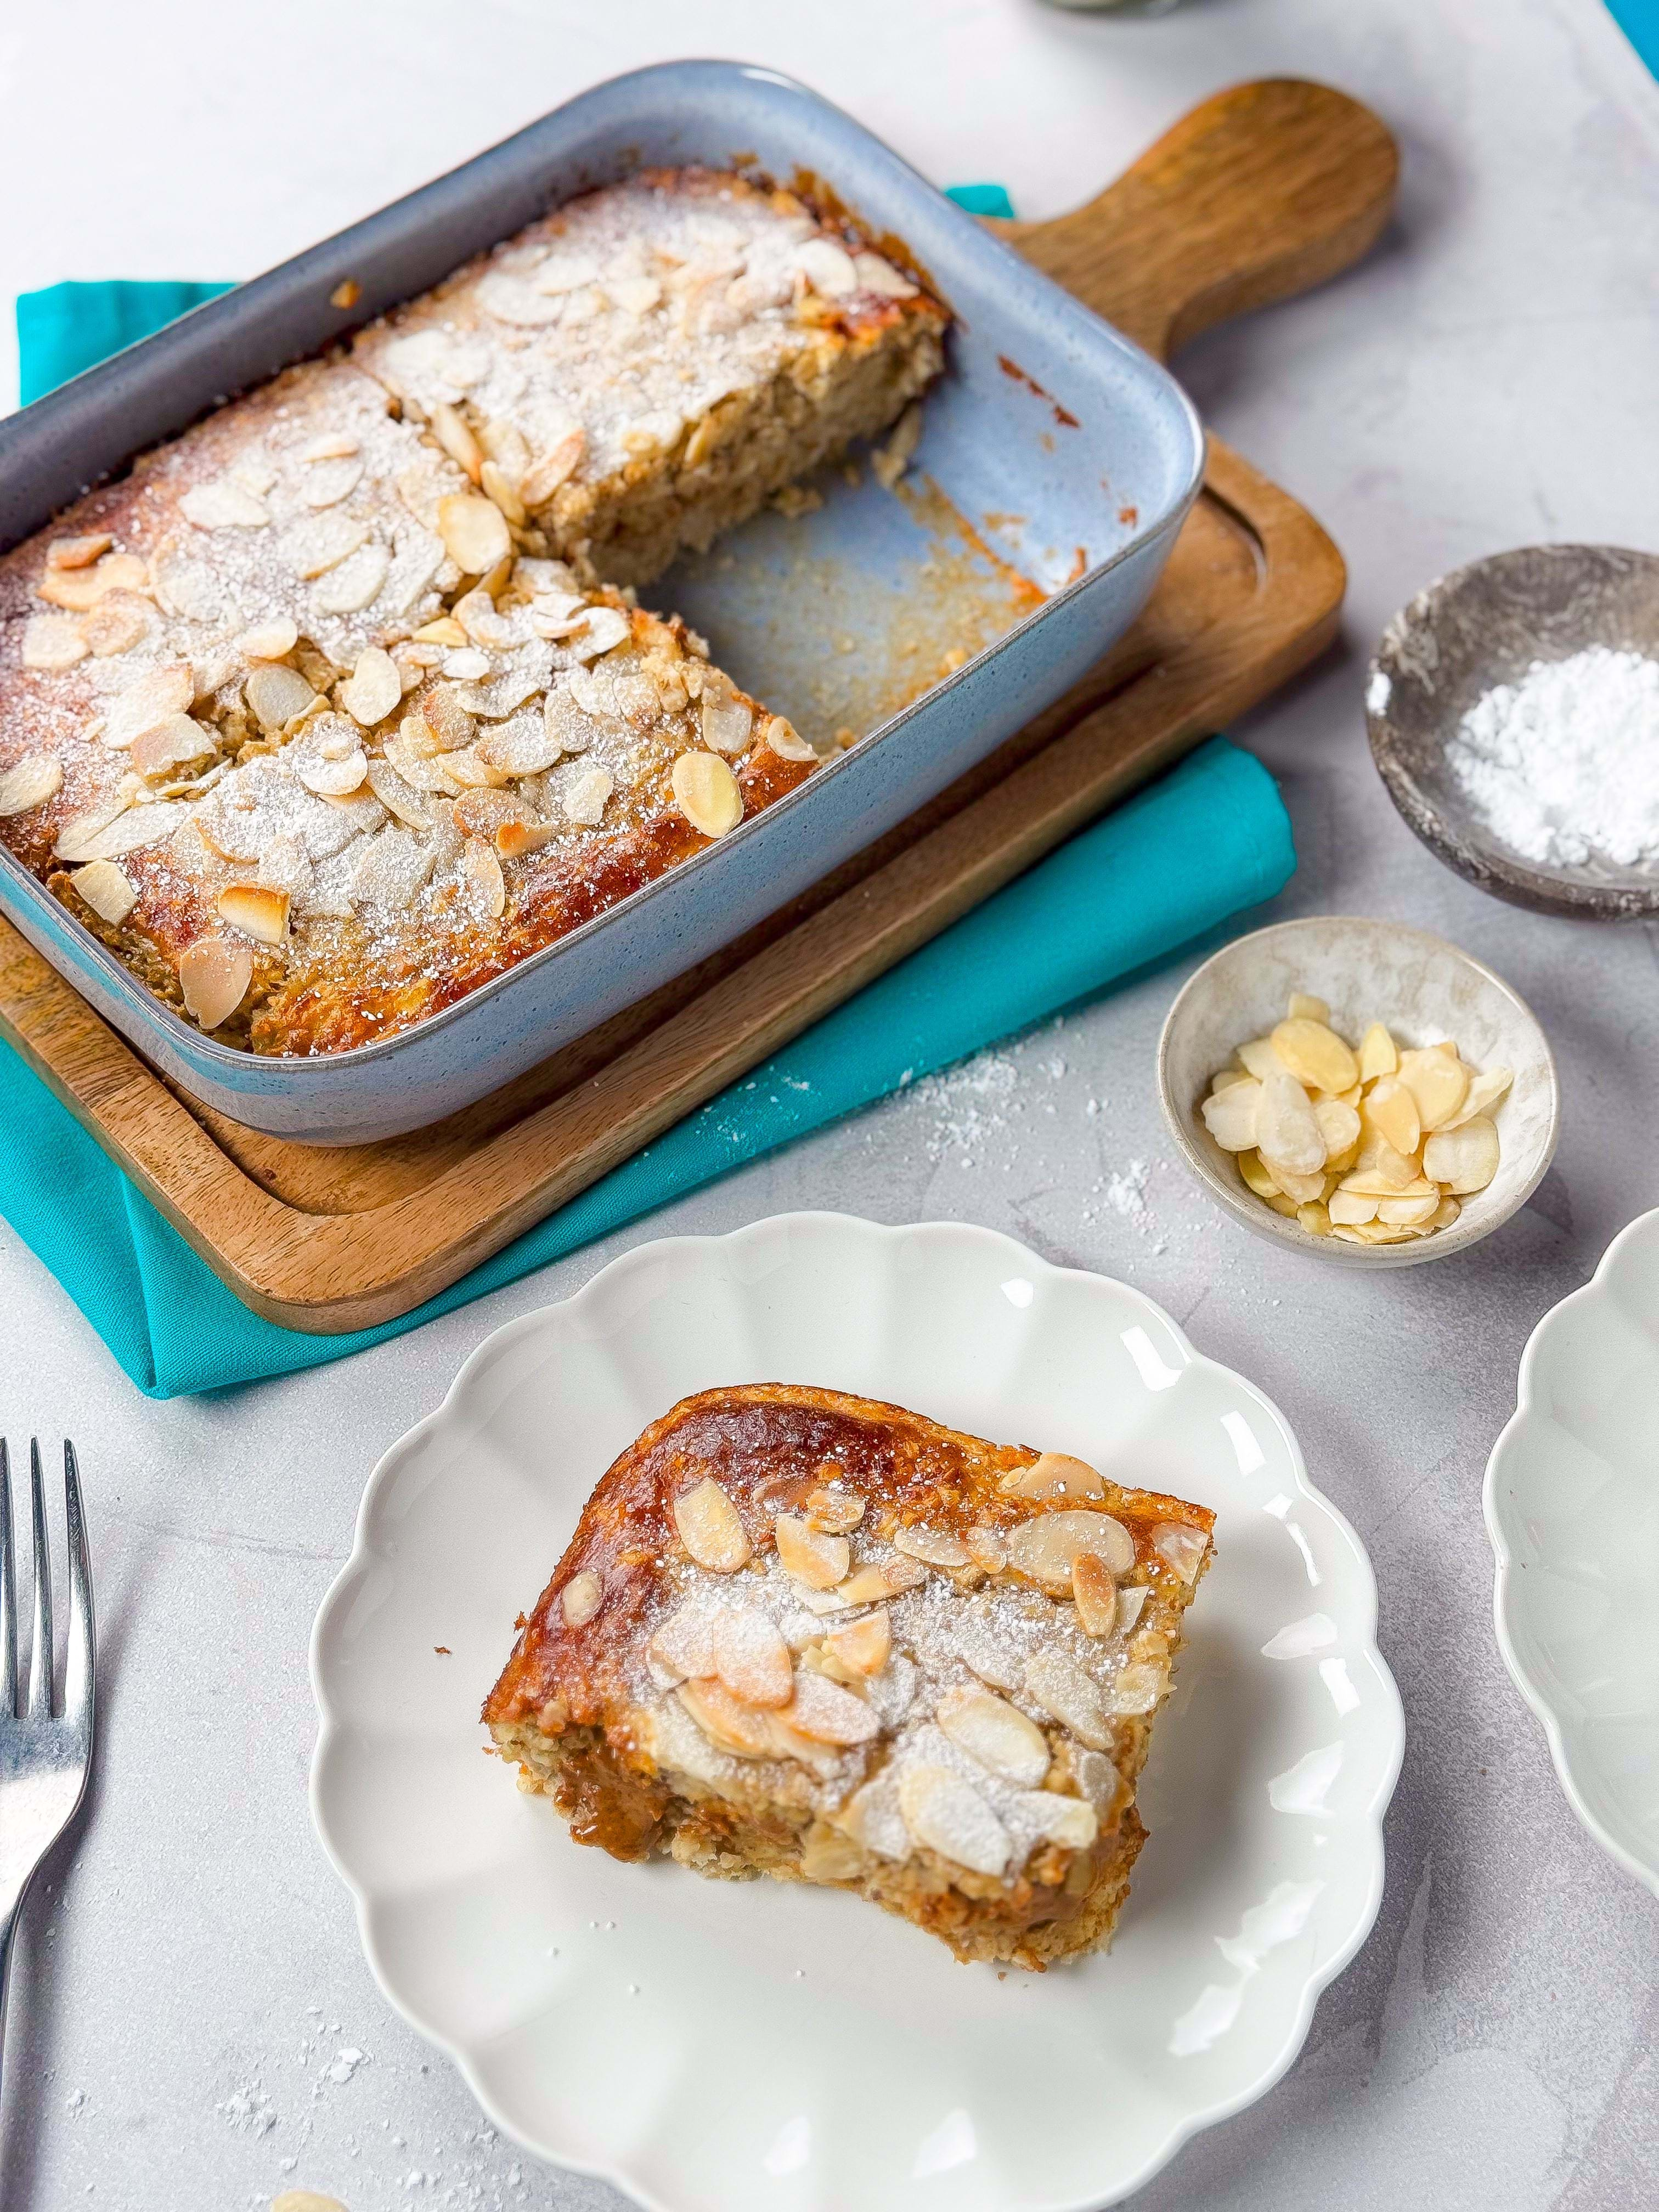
[
  {"x": 398, "y": 797},
  {"x": 581, "y": 1598},
  {"x": 726, "y": 724},
  {"x": 1286, "y": 1133},
  {"x": 1465, "y": 1158},
  {"x": 554, "y": 468},
  {"x": 1181, "y": 1547},
  {"x": 81, "y": 589},
  {"x": 1094, "y": 1593},
  {"x": 474, "y": 532},
  {"x": 1071, "y": 1822},
  {"x": 1339, "y": 1125},
  {"x": 1383, "y": 1167},
  {"x": 834, "y": 1512},
  {"x": 864, "y": 1645},
  {"x": 934, "y": 1548},
  {"x": 1300, "y": 1189},
  {"x": 820, "y": 1561},
  {"x": 741, "y": 1729},
  {"x": 450, "y": 428},
  {"x": 482, "y": 867},
  {"x": 1390, "y": 1109},
  {"x": 223, "y": 504},
  {"x": 1052, "y": 1475},
  {"x": 586, "y": 799},
  {"x": 875, "y": 275},
  {"x": 685, "y": 1642},
  {"x": 872, "y": 1584},
  {"x": 1304, "y": 1007},
  {"x": 710, "y": 1528},
  {"x": 1483, "y": 1093},
  {"x": 1231, "y": 1116},
  {"x": 105, "y": 891},
  {"x": 707, "y": 794},
  {"x": 54, "y": 642},
  {"x": 1060, "y": 1686},
  {"x": 513, "y": 839},
  {"x": 1045, "y": 1547},
  {"x": 30, "y": 782},
  {"x": 987, "y": 1548},
  {"x": 214, "y": 975},
  {"x": 146, "y": 703},
  {"x": 1255, "y": 1173},
  {"x": 946, "y": 1815},
  {"x": 1259, "y": 1058},
  {"x": 1315, "y": 1053},
  {"x": 1225, "y": 1078},
  {"x": 256, "y": 907},
  {"x": 1378, "y": 1054},
  {"x": 750, "y": 1657},
  {"x": 373, "y": 689},
  {"x": 353, "y": 583},
  {"x": 120, "y": 621},
  {"x": 496, "y": 485},
  {"x": 1346, "y": 1209},
  {"x": 1437, "y": 1080},
  {"x": 333, "y": 779},
  {"x": 278, "y": 696},
  {"x": 79, "y": 552},
  {"x": 125, "y": 829},
  {"x": 998, "y": 1734},
  {"x": 179, "y": 739},
  {"x": 1315, "y": 1219},
  {"x": 1408, "y": 1213},
  {"x": 826, "y": 1713},
  {"x": 787, "y": 742}
]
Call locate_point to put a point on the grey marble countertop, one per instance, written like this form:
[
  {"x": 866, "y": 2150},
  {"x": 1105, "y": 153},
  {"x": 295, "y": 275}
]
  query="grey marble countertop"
[{"x": 193, "y": 2027}]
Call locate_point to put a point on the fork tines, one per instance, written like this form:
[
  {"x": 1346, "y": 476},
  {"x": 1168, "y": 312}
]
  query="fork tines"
[{"x": 76, "y": 1702}]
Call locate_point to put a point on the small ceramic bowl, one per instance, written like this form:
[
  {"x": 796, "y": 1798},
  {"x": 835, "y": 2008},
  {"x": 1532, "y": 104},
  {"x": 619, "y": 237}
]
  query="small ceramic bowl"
[
  {"x": 1424, "y": 990},
  {"x": 1483, "y": 625}
]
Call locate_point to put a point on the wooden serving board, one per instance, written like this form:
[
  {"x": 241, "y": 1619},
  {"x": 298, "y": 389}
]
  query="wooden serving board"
[{"x": 1261, "y": 192}]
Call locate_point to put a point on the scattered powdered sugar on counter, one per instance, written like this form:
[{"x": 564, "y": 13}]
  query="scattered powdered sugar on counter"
[{"x": 1563, "y": 766}]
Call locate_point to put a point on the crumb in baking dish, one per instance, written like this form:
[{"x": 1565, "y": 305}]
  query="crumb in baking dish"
[{"x": 811, "y": 1636}]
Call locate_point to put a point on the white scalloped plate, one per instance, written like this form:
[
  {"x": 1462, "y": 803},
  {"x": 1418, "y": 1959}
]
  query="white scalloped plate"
[
  {"x": 1572, "y": 1508},
  {"x": 761, "y": 2047}
]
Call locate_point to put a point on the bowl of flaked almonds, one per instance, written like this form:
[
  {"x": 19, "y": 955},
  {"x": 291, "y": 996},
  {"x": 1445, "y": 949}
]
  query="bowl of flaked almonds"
[{"x": 1360, "y": 1089}]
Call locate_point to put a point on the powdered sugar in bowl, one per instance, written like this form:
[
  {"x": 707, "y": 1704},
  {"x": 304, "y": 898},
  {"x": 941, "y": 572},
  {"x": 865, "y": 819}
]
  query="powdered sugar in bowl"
[{"x": 1513, "y": 709}]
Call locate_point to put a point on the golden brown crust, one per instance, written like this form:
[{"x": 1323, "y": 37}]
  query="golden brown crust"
[{"x": 574, "y": 1708}]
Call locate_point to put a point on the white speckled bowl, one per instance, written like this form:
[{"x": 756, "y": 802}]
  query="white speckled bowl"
[{"x": 1424, "y": 989}]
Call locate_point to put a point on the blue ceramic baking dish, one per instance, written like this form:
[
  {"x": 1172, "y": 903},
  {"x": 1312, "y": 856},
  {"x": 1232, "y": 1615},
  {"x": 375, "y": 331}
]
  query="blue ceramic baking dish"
[{"x": 1062, "y": 448}]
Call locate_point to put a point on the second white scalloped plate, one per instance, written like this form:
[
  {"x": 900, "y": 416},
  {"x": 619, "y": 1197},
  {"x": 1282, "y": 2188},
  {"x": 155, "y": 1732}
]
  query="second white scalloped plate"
[
  {"x": 1572, "y": 1508},
  {"x": 761, "y": 2047}
]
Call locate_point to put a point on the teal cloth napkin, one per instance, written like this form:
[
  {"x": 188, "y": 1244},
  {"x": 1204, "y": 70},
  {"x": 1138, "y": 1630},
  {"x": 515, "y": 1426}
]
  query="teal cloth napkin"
[
  {"x": 70, "y": 327},
  {"x": 1639, "y": 22},
  {"x": 1210, "y": 838}
]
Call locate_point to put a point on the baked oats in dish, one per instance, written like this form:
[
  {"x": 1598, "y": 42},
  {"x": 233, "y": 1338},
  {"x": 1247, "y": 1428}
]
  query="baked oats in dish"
[
  {"x": 339, "y": 706},
  {"x": 815, "y": 1636}
]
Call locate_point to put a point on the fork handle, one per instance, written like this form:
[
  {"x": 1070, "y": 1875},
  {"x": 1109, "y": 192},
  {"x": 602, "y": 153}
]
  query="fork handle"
[{"x": 7, "y": 1929}]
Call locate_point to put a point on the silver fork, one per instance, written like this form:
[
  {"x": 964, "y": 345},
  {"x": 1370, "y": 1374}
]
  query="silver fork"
[{"x": 44, "y": 1757}]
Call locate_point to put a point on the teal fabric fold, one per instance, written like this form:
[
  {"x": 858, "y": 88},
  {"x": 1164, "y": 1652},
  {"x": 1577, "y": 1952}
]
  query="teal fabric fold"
[
  {"x": 70, "y": 327},
  {"x": 1639, "y": 22},
  {"x": 982, "y": 199},
  {"x": 1208, "y": 840}
]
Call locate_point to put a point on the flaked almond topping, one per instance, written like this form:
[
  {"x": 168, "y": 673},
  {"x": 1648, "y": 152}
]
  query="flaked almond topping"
[
  {"x": 179, "y": 739},
  {"x": 684, "y": 1644},
  {"x": 998, "y": 1734},
  {"x": 986, "y": 1547},
  {"x": 710, "y": 1528},
  {"x": 751, "y": 1658},
  {"x": 223, "y": 504},
  {"x": 1071, "y": 1822},
  {"x": 783, "y": 738},
  {"x": 707, "y": 794},
  {"x": 333, "y": 779},
  {"x": 277, "y": 696},
  {"x": 312, "y": 547},
  {"x": 78, "y": 552},
  {"x": 332, "y": 481},
  {"x": 581, "y": 1598},
  {"x": 513, "y": 839},
  {"x": 604, "y": 629},
  {"x": 258, "y": 908},
  {"x": 745, "y": 1731},
  {"x": 474, "y": 532},
  {"x": 1094, "y": 1593},
  {"x": 879, "y": 276},
  {"x": 1045, "y": 1546},
  {"x": 115, "y": 624},
  {"x": 871, "y": 1584},
  {"x": 585, "y": 800},
  {"x": 820, "y": 1561},
  {"x": 834, "y": 1512},
  {"x": 1060, "y": 1686},
  {"x": 332, "y": 446},
  {"x": 105, "y": 891},
  {"x": 124, "y": 829},
  {"x": 1139, "y": 1687},
  {"x": 30, "y": 782},
  {"x": 865, "y": 1645},
  {"x": 544, "y": 476},
  {"x": 825, "y": 1712},
  {"x": 726, "y": 724},
  {"x": 447, "y": 718},
  {"x": 935, "y": 1548},
  {"x": 451, "y": 429},
  {"x": 828, "y": 268},
  {"x": 482, "y": 867},
  {"x": 1052, "y": 1474},
  {"x": 79, "y": 590},
  {"x": 214, "y": 975},
  {"x": 496, "y": 485},
  {"x": 146, "y": 703},
  {"x": 1129, "y": 1603},
  {"x": 373, "y": 689},
  {"x": 353, "y": 583},
  {"x": 946, "y": 1815},
  {"x": 53, "y": 641}
]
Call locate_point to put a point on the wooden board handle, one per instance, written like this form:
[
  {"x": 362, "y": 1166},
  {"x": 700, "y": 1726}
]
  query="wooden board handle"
[{"x": 1263, "y": 192}]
